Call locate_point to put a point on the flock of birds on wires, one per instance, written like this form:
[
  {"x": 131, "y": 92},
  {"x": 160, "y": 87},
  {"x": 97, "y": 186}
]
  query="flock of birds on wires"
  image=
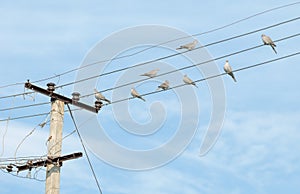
[
  {"x": 7, "y": 163},
  {"x": 166, "y": 84}
]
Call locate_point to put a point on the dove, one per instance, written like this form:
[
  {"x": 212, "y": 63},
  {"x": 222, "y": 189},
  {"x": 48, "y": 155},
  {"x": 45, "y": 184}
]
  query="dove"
[
  {"x": 268, "y": 41},
  {"x": 151, "y": 73},
  {"x": 187, "y": 80},
  {"x": 135, "y": 94},
  {"x": 228, "y": 70},
  {"x": 189, "y": 46},
  {"x": 164, "y": 85},
  {"x": 100, "y": 97}
]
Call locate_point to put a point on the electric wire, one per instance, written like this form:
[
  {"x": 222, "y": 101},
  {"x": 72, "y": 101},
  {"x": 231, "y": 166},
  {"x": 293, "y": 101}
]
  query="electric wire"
[
  {"x": 213, "y": 30},
  {"x": 41, "y": 114},
  {"x": 13, "y": 170},
  {"x": 179, "y": 53},
  {"x": 20, "y": 158},
  {"x": 130, "y": 55},
  {"x": 200, "y": 80},
  {"x": 24, "y": 117},
  {"x": 24, "y": 106},
  {"x": 85, "y": 151},
  {"x": 3, "y": 138},
  {"x": 24, "y": 177},
  {"x": 210, "y": 77},
  {"x": 198, "y": 34},
  {"x": 72, "y": 132},
  {"x": 42, "y": 124},
  {"x": 193, "y": 65},
  {"x": 15, "y": 95},
  {"x": 33, "y": 115}
]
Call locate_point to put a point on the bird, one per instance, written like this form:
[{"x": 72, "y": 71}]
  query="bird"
[
  {"x": 100, "y": 97},
  {"x": 268, "y": 41},
  {"x": 135, "y": 94},
  {"x": 228, "y": 70},
  {"x": 187, "y": 80},
  {"x": 165, "y": 85},
  {"x": 151, "y": 73},
  {"x": 189, "y": 46}
]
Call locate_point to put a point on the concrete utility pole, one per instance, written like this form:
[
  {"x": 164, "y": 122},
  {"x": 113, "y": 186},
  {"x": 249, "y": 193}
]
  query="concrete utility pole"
[
  {"x": 54, "y": 160},
  {"x": 54, "y": 146}
]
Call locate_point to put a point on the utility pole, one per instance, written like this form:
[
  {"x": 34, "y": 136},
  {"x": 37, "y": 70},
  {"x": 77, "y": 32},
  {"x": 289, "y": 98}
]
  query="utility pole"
[
  {"x": 54, "y": 160},
  {"x": 54, "y": 146}
]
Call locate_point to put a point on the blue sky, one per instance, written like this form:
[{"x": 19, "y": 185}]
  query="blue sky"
[{"x": 256, "y": 151}]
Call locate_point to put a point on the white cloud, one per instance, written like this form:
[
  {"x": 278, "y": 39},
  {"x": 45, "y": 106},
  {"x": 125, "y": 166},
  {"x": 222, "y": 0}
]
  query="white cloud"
[{"x": 257, "y": 147}]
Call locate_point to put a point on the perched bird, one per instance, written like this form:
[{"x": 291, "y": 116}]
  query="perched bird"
[
  {"x": 228, "y": 70},
  {"x": 187, "y": 80},
  {"x": 135, "y": 94},
  {"x": 164, "y": 85},
  {"x": 100, "y": 97},
  {"x": 189, "y": 46},
  {"x": 268, "y": 41},
  {"x": 151, "y": 73}
]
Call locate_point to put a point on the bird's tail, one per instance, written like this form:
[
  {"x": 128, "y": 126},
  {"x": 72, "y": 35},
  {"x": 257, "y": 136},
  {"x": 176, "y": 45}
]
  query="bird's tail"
[
  {"x": 142, "y": 98},
  {"x": 234, "y": 79},
  {"x": 231, "y": 74},
  {"x": 179, "y": 48},
  {"x": 273, "y": 47}
]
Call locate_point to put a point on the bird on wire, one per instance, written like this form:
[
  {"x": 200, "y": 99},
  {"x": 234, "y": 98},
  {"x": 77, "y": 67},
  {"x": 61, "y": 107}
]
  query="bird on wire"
[
  {"x": 164, "y": 86},
  {"x": 151, "y": 73},
  {"x": 228, "y": 70},
  {"x": 189, "y": 46},
  {"x": 100, "y": 97},
  {"x": 135, "y": 94},
  {"x": 188, "y": 80},
  {"x": 268, "y": 41}
]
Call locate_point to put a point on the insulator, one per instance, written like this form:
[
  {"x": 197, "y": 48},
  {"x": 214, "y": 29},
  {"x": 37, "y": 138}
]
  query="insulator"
[
  {"x": 98, "y": 105},
  {"x": 76, "y": 96},
  {"x": 51, "y": 87}
]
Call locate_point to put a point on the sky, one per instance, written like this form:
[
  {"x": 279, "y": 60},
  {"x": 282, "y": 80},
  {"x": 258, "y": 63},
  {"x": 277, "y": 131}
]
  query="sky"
[{"x": 256, "y": 150}]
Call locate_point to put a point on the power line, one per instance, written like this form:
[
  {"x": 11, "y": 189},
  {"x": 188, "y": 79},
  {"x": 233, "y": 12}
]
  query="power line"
[
  {"x": 210, "y": 77},
  {"x": 9, "y": 85},
  {"x": 24, "y": 117},
  {"x": 3, "y": 138},
  {"x": 24, "y": 106},
  {"x": 9, "y": 166},
  {"x": 130, "y": 55},
  {"x": 24, "y": 177},
  {"x": 198, "y": 34},
  {"x": 194, "y": 65},
  {"x": 41, "y": 114},
  {"x": 213, "y": 30},
  {"x": 85, "y": 151},
  {"x": 42, "y": 124},
  {"x": 74, "y": 131},
  {"x": 15, "y": 95},
  {"x": 176, "y": 54},
  {"x": 32, "y": 115},
  {"x": 162, "y": 58},
  {"x": 21, "y": 158}
]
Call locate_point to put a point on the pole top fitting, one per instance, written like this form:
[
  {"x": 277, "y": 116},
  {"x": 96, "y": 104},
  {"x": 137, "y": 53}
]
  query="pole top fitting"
[
  {"x": 76, "y": 96},
  {"x": 98, "y": 105},
  {"x": 51, "y": 87}
]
